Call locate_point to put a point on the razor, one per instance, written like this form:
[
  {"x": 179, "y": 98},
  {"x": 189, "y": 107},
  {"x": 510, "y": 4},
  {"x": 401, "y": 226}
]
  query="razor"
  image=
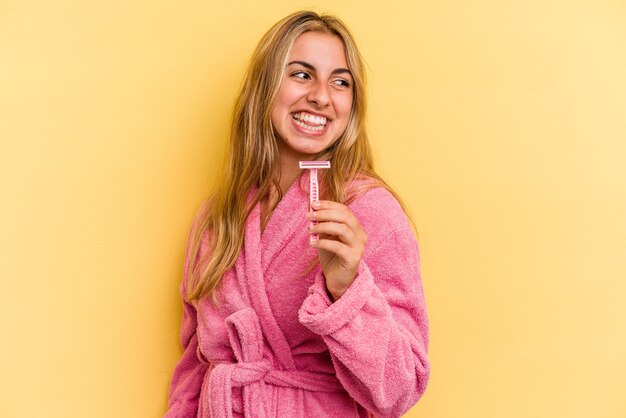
[{"x": 313, "y": 166}]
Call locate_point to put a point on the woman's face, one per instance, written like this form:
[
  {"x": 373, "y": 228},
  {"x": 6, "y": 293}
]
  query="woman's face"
[{"x": 315, "y": 98}]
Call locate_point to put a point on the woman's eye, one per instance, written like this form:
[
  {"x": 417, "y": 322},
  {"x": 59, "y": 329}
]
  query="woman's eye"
[
  {"x": 301, "y": 74},
  {"x": 342, "y": 83}
]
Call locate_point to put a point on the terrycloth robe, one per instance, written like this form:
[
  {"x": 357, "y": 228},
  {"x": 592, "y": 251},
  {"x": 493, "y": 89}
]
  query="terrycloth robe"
[{"x": 276, "y": 346}]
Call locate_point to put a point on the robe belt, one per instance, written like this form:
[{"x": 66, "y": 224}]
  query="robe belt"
[{"x": 252, "y": 373}]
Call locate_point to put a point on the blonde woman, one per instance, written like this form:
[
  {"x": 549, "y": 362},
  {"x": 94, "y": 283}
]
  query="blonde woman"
[{"x": 276, "y": 324}]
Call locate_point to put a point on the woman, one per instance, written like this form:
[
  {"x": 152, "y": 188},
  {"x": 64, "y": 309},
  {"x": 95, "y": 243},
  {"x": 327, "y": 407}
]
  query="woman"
[{"x": 278, "y": 324}]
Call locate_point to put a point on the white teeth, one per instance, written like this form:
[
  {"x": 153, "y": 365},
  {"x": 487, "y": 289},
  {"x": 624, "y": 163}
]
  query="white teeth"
[
  {"x": 309, "y": 127},
  {"x": 310, "y": 119}
]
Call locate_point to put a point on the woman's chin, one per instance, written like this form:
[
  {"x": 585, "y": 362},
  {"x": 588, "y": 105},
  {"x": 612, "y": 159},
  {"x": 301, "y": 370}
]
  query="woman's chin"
[{"x": 304, "y": 148}]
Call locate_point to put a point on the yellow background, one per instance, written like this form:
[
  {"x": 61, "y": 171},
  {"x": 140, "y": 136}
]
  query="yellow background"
[{"x": 502, "y": 123}]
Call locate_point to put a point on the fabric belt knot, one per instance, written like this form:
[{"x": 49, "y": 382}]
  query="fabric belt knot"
[{"x": 252, "y": 373}]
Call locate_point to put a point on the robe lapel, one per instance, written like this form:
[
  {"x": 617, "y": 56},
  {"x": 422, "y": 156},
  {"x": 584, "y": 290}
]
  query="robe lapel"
[
  {"x": 286, "y": 221},
  {"x": 258, "y": 296}
]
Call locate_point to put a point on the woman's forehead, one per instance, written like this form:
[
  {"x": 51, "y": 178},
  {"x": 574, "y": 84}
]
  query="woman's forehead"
[{"x": 323, "y": 49}]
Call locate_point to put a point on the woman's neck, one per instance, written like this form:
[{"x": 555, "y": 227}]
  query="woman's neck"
[
  {"x": 287, "y": 176},
  {"x": 289, "y": 165},
  {"x": 289, "y": 172}
]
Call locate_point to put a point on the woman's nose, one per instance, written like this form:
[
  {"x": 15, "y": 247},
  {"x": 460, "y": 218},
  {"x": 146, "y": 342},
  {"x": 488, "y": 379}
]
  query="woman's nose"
[{"x": 319, "y": 94}]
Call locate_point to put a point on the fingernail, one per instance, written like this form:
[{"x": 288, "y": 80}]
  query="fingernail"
[{"x": 316, "y": 204}]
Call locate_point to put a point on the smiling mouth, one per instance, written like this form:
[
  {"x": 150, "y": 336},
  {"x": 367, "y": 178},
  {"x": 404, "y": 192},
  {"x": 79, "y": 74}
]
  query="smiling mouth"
[{"x": 310, "y": 122}]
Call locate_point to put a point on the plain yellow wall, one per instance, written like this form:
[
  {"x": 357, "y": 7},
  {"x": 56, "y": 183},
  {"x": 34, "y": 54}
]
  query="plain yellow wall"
[{"x": 502, "y": 123}]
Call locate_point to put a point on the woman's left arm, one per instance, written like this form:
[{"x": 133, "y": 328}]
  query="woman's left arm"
[
  {"x": 376, "y": 327},
  {"x": 340, "y": 246}
]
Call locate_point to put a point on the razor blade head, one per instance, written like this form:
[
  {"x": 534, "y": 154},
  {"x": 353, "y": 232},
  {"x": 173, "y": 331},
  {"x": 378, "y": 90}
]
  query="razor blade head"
[{"x": 314, "y": 164}]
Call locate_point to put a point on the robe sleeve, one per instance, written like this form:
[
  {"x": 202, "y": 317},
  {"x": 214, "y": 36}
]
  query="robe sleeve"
[
  {"x": 377, "y": 332},
  {"x": 186, "y": 383}
]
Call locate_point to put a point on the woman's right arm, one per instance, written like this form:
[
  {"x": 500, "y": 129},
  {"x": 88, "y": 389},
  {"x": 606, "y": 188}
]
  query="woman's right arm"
[{"x": 189, "y": 373}]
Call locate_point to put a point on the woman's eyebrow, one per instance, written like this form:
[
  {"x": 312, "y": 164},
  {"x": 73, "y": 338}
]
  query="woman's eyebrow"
[
  {"x": 342, "y": 71},
  {"x": 312, "y": 68},
  {"x": 304, "y": 64}
]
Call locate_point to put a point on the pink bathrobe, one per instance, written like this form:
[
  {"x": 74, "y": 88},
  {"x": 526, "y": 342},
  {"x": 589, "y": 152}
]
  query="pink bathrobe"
[{"x": 276, "y": 346}]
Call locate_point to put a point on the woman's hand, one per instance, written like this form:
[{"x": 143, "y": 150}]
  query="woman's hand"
[{"x": 341, "y": 244}]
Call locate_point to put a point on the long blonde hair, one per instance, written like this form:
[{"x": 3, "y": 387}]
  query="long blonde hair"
[{"x": 253, "y": 157}]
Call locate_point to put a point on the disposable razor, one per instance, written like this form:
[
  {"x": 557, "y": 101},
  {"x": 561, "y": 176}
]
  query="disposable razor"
[{"x": 313, "y": 166}]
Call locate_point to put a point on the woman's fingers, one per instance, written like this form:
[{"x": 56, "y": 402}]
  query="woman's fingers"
[
  {"x": 334, "y": 212},
  {"x": 341, "y": 243},
  {"x": 340, "y": 230},
  {"x": 336, "y": 224},
  {"x": 349, "y": 257}
]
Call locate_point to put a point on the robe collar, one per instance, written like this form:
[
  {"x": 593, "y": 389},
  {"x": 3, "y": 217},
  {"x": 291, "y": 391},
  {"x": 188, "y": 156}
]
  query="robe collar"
[{"x": 260, "y": 249}]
